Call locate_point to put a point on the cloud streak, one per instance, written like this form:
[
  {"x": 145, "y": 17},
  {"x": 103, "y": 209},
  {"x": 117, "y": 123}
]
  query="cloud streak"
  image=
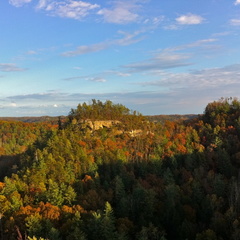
[
  {"x": 170, "y": 58},
  {"x": 122, "y": 12},
  {"x": 164, "y": 60},
  {"x": 97, "y": 79},
  {"x": 200, "y": 80},
  {"x": 10, "y": 67},
  {"x": 235, "y": 22},
  {"x": 129, "y": 38}
]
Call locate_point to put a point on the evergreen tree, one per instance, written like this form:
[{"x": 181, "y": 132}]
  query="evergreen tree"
[{"x": 108, "y": 223}]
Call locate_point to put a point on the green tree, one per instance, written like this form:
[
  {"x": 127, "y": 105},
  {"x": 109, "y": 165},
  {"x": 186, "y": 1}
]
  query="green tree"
[
  {"x": 108, "y": 223},
  {"x": 54, "y": 193}
]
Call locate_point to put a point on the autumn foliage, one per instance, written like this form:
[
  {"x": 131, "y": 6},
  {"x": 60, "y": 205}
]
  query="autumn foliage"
[{"x": 134, "y": 180}]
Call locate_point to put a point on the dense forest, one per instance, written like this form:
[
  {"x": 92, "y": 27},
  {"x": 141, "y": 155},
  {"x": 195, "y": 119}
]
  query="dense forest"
[{"x": 105, "y": 172}]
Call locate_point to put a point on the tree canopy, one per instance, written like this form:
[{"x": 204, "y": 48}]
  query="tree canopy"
[{"x": 172, "y": 180}]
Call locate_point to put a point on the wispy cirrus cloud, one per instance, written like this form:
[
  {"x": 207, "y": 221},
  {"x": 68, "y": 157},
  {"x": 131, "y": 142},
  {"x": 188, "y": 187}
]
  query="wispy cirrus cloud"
[
  {"x": 97, "y": 79},
  {"x": 31, "y": 52},
  {"x": 118, "y": 12},
  {"x": 235, "y": 22},
  {"x": 19, "y": 3},
  {"x": 200, "y": 43},
  {"x": 198, "y": 87},
  {"x": 205, "y": 78},
  {"x": 67, "y": 9},
  {"x": 84, "y": 49},
  {"x": 164, "y": 60},
  {"x": 118, "y": 73},
  {"x": 10, "y": 67},
  {"x": 113, "y": 11},
  {"x": 129, "y": 38},
  {"x": 36, "y": 96},
  {"x": 201, "y": 79},
  {"x": 181, "y": 90},
  {"x": 189, "y": 19},
  {"x": 121, "y": 12},
  {"x": 172, "y": 57}
]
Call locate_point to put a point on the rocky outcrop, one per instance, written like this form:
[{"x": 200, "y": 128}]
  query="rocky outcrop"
[
  {"x": 98, "y": 124},
  {"x": 92, "y": 126}
]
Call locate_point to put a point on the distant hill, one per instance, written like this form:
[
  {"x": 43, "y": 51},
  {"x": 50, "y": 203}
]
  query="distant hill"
[
  {"x": 49, "y": 119},
  {"x": 172, "y": 117}
]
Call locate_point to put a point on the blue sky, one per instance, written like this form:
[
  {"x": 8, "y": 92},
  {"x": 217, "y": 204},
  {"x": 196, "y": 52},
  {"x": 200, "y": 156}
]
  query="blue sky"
[{"x": 153, "y": 56}]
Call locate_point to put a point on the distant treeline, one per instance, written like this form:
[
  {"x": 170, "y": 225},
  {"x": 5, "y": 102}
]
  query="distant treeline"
[
  {"x": 171, "y": 117},
  {"x": 49, "y": 119}
]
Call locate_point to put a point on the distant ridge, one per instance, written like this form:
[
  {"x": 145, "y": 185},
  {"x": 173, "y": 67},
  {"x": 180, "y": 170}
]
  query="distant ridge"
[
  {"x": 172, "y": 117},
  {"x": 32, "y": 119}
]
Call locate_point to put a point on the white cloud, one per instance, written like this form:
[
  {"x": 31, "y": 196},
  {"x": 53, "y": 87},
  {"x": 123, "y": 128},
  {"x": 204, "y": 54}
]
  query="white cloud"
[
  {"x": 129, "y": 38},
  {"x": 237, "y": 2},
  {"x": 119, "y": 12},
  {"x": 13, "y": 104},
  {"x": 235, "y": 22},
  {"x": 19, "y": 3},
  {"x": 123, "y": 12},
  {"x": 67, "y": 9},
  {"x": 189, "y": 19},
  {"x": 97, "y": 79},
  {"x": 42, "y": 4},
  {"x": 10, "y": 67}
]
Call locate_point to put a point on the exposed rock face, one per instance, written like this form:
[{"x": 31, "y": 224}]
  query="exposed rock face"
[{"x": 98, "y": 124}]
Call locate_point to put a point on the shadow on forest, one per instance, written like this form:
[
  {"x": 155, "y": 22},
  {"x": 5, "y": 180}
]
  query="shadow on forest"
[
  {"x": 181, "y": 195},
  {"x": 178, "y": 197},
  {"x": 8, "y": 165}
]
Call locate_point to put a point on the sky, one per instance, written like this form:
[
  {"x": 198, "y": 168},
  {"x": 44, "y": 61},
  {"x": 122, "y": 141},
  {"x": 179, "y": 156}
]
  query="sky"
[{"x": 153, "y": 56}]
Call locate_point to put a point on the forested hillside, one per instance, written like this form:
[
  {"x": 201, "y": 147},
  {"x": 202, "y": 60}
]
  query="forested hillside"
[{"x": 128, "y": 178}]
